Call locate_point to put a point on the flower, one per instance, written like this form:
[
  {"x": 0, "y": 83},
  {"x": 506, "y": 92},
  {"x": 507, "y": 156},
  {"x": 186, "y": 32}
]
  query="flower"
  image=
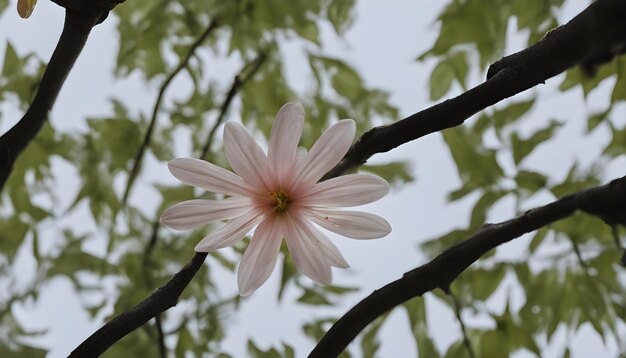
[
  {"x": 280, "y": 193},
  {"x": 25, "y": 7}
]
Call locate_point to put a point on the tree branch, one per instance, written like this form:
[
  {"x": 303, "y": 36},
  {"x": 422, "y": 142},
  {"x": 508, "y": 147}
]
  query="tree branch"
[
  {"x": 79, "y": 20},
  {"x": 162, "y": 299},
  {"x": 442, "y": 270},
  {"x": 157, "y": 106},
  {"x": 597, "y": 32}
]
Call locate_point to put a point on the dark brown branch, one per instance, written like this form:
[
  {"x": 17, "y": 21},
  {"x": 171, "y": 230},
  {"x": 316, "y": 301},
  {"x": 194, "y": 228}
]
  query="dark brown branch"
[
  {"x": 157, "y": 106},
  {"x": 598, "y": 31},
  {"x": 441, "y": 271},
  {"x": 76, "y": 29},
  {"x": 162, "y": 299}
]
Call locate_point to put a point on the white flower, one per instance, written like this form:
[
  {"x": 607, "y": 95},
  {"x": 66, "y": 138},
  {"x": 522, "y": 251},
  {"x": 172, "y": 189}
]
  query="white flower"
[{"x": 280, "y": 193}]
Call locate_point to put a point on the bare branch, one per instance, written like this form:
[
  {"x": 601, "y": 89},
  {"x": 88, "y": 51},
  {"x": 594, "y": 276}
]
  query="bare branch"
[
  {"x": 76, "y": 28},
  {"x": 597, "y": 32},
  {"x": 442, "y": 270},
  {"x": 162, "y": 299}
]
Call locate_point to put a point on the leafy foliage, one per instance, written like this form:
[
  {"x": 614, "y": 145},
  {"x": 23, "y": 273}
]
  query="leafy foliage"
[{"x": 115, "y": 254}]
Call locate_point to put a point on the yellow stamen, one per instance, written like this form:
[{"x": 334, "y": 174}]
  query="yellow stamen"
[{"x": 280, "y": 198}]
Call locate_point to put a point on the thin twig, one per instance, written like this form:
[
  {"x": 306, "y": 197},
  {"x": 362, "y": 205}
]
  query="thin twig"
[
  {"x": 157, "y": 106},
  {"x": 244, "y": 75},
  {"x": 457, "y": 312},
  {"x": 160, "y": 336}
]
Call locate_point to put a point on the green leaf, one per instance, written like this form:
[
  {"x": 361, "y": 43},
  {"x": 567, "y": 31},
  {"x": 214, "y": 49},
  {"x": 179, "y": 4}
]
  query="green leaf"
[
  {"x": 523, "y": 147},
  {"x": 619, "y": 89},
  {"x": 416, "y": 312},
  {"x": 617, "y": 145},
  {"x": 396, "y": 173},
  {"x": 505, "y": 116},
  {"x": 538, "y": 239},
  {"x": 479, "y": 212},
  {"x": 369, "y": 341},
  {"x": 596, "y": 118},
  {"x": 472, "y": 22},
  {"x": 477, "y": 166},
  {"x": 453, "y": 67},
  {"x": 340, "y": 14},
  {"x": 312, "y": 297},
  {"x": 530, "y": 181},
  {"x": 480, "y": 283}
]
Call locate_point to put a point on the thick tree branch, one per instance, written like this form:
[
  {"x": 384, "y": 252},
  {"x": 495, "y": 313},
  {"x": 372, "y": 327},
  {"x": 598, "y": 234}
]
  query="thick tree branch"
[
  {"x": 162, "y": 299},
  {"x": 597, "y": 32},
  {"x": 157, "y": 106},
  {"x": 80, "y": 18},
  {"x": 441, "y": 271}
]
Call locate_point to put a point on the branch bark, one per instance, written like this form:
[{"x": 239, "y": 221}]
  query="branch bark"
[
  {"x": 162, "y": 299},
  {"x": 80, "y": 18},
  {"x": 597, "y": 32},
  {"x": 442, "y": 270}
]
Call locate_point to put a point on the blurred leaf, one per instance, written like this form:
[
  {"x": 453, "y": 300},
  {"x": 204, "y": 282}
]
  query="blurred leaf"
[
  {"x": 477, "y": 165},
  {"x": 530, "y": 181},
  {"x": 596, "y": 118},
  {"x": 453, "y": 67},
  {"x": 416, "y": 311},
  {"x": 369, "y": 341},
  {"x": 523, "y": 147},
  {"x": 505, "y": 116},
  {"x": 340, "y": 14},
  {"x": 395, "y": 172}
]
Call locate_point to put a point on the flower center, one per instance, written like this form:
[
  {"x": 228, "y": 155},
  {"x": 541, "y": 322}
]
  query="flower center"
[{"x": 280, "y": 200}]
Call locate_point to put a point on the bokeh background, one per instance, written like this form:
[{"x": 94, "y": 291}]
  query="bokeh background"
[{"x": 73, "y": 255}]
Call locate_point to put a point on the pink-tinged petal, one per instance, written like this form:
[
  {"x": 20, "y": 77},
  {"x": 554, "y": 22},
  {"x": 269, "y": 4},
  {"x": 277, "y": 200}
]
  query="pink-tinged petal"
[
  {"x": 246, "y": 157},
  {"x": 208, "y": 176},
  {"x": 308, "y": 254},
  {"x": 195, "y": 213},
  {"x": 327, "y": 151},
  {"x": 232, "y": 232},
  {"x": 259, "y": 260},
  {"x": 333, "y": 255},
  {"x": 352, "y": 224},
  {"x": 346, "y": 190},
  {"x": 284, "y": 138}
]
